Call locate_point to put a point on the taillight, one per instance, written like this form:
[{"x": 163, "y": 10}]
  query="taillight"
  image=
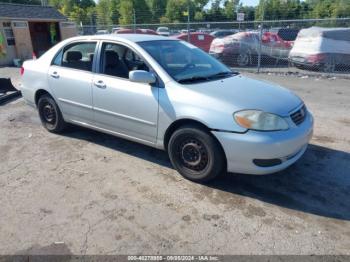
[
  {"x": 21, "y": 70},
  {"x": 316, "y": 58}
]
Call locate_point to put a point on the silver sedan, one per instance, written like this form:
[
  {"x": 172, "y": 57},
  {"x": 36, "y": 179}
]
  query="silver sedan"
[{"x": 170, "y": 95}]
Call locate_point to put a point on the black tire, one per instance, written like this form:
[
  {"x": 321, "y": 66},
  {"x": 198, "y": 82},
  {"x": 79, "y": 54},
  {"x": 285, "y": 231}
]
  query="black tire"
[
  {"x": 195, "y": 154},
  {"x": 243, "y": 58},
  {"x": 329, "y": 67},
  {"x": 50, "y": 115}
]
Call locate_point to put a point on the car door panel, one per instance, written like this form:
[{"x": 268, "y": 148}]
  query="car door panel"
[
  {"x": 70, "y": 78},
  {"x": 119, "y": 105},
  {"x": 72, "y": 89},
  {"x": 125, "y": 107}
]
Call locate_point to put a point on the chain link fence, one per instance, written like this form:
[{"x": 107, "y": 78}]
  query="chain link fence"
[{"x": 310, "y": 46}]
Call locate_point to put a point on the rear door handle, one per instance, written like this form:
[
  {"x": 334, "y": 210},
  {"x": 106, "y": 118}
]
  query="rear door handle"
[
  {"x": 100, "y": 84},
  {"x": 55, "y": 75}
]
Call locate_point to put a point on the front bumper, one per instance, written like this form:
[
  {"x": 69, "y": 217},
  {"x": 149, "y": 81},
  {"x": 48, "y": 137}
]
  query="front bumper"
[{"x": 242, "y": 149}]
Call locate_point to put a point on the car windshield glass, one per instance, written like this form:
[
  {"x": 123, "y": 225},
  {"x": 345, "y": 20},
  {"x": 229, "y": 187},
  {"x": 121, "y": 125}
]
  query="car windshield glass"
[{"x": 184, "y": 62}]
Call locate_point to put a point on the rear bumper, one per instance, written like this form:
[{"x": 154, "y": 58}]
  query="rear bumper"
[
  {"x": 242, "y": 149},
  {"x": 304, "y": 62},
  {"x": 28, "y": 95}
]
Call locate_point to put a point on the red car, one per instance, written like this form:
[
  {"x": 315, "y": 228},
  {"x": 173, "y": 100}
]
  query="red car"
[
  {"x": 137, "y": 31},
  {"x": 201, "y": 40},
  {"x": 273, "y": 39},
  {"x": 242, "y": 49}
]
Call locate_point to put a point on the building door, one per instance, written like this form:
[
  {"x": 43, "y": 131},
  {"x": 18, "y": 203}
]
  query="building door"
[
  {"x": 44, "y": 35},
  {"x": 23, "y": 41}
]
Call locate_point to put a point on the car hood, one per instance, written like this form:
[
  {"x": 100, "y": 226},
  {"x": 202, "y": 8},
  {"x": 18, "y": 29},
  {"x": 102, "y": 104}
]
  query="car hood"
[{"x": 240, "y": 93}]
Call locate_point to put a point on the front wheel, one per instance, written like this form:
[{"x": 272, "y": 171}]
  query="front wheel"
[
  {"x": 195, "y": 154},
  {"x": 50, "y": 114}
]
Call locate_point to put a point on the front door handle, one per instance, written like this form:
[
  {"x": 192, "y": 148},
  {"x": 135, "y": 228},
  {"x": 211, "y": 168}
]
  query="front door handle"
[
  {"x": 100, "y": 84},
  {"x": 55, "y": 75}
]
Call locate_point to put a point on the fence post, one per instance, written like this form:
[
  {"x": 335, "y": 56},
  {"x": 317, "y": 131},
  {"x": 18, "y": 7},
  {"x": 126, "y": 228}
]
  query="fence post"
[
  {"x": 260, "y": 45},
  {"x": 188, "y": 22},
  {"x": 134, "y": 20}
]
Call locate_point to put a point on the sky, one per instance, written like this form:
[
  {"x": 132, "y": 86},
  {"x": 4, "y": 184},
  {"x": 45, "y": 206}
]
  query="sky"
[{"x": 250, "y": 2}]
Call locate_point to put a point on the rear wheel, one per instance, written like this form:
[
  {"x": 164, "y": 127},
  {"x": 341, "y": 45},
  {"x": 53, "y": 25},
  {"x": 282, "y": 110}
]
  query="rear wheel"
[
  {"x": 50, "y": 114},
  {"x": 329, "y": 67},
  {"x": 195, "y": 154},
  {"x": 243, "y": 58}
]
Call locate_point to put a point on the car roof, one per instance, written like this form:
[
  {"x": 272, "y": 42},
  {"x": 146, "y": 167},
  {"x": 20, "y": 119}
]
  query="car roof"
[{"x": 129, "y": 37}]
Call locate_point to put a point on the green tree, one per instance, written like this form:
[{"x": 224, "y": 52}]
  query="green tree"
[
  {"x": 278, "y": 9},
  {"x": 176, "y": 10},
  {"x": 142, "y": 11},
  {"x": 249, "y": 12},
  {"x": 78, "y": 15},
  {"x": 341, "y": 9},
  {"x": 103, "y": 12},
  {"x": 28, "y": 2},
  {"x": 126, "y": 12},
  {"x": 231, "y": 6},
  {"x": 216, "y": 12},
  {"x": 56, "y": 3},
  {"x": 157, "y": 8},
  {"x": 323, "y": 9},
  {"x": 114, "y": 11}
]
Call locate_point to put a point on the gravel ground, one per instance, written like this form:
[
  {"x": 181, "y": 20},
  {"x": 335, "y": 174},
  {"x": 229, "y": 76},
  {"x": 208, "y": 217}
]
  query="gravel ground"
[{"x": 89, "y": 193}]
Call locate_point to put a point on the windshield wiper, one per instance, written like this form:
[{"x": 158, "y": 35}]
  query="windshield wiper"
[
  {"x": 206, "y": 78},
  {"x": 193, "y": 79},
  {"x": 222, "y": 74}
]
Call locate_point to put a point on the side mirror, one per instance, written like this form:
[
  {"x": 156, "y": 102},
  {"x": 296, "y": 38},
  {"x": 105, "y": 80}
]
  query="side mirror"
[{"x": 140, "y": 76}]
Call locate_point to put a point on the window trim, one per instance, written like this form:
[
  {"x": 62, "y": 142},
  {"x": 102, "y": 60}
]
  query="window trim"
[
  {"x": 98, "y": 69},
  {"x": 76, "y": 42}
]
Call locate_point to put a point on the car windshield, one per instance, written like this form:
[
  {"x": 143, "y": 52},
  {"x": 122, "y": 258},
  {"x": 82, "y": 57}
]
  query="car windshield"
[{"x": 184, "y": 62}]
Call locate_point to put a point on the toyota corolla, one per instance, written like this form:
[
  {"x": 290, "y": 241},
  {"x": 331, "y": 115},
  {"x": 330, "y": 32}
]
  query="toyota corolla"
[{"x": 170, "y": 95}]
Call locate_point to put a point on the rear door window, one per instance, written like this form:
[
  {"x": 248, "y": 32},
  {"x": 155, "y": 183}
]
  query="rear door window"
[{"x": 77, "y": 56}]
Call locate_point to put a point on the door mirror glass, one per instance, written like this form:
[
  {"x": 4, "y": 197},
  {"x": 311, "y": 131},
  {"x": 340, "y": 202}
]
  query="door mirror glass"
[{"x": 140, "y": 76}]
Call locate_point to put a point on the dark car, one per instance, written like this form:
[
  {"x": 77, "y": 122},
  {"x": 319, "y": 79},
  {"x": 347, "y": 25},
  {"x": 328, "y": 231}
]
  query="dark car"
[{"x": 287, "y": 34}]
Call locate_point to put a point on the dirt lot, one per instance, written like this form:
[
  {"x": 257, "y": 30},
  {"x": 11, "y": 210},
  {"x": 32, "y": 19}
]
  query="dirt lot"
[{"x": 90, "y": 193}]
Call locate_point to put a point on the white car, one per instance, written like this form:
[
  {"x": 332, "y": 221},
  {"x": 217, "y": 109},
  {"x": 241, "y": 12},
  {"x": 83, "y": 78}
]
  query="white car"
[
  {"x": 102, "y": 32},
  {"x": 326, "y": 49},
  {"x": 170, "y": 95},
  {"x": 164, "y": 31}
]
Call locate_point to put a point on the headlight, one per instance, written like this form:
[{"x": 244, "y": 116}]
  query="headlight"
[{"x": 259, "y": 120}]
